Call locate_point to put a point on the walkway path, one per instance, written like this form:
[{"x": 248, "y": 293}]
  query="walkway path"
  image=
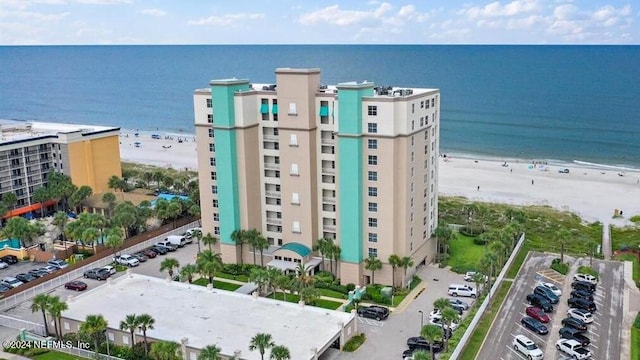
[
  {"x": 412, "y": 295},
  {"x": 606, "y": 240}
]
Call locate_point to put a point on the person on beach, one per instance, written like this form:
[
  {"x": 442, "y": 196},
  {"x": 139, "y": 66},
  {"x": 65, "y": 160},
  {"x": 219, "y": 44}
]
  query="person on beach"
[
  {"x": 478, "y": 187},
  {"x": 531, "y": 181}
]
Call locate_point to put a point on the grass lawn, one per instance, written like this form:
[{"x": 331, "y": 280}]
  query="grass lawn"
[
  {"x": 464, "y": 254},
  {"x": 626, "y": 237},
  {"x": 634, "y": 259},
  {"x": 635, "y": 343},
  {"x": 332, "y": 293},
  {"x": 294, "y": 298},
  {"x": 473, "y": 346},
  {"x": 217, "y": 284},
  {"x": 56, "y": 355},
  {"x": 243, "y": 278}
]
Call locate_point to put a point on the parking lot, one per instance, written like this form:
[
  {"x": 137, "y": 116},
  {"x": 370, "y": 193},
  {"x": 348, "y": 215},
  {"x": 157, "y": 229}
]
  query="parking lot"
[{"x": 604, "y": 332}]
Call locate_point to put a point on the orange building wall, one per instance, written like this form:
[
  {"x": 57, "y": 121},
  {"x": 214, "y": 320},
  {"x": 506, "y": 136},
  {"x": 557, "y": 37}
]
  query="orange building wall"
[{"x": 93, "y": 162}]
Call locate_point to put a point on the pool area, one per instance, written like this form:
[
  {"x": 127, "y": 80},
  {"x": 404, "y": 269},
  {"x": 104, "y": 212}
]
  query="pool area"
[{"x": 12, "y": 243}]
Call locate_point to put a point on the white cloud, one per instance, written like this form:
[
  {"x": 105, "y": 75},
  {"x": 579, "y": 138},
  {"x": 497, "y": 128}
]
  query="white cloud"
[
  {"x": 153, "y": 12},
  {"x": 34, "y": 16},
  {"x": 495, "y": 9},
  {"x": 226, "y": 20},
  {"x": 336, "y": 16}
]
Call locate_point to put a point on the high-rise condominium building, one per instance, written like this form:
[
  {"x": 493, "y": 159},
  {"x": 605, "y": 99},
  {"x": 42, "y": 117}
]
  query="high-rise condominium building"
[
  {"x": 300, "y": 161},
  {"x": 29, "y": 151}
]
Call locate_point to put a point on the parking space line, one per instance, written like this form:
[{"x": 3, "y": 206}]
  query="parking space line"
[
  {"x": 517, "y": 353},
  {"x": 536, "y": 335}
]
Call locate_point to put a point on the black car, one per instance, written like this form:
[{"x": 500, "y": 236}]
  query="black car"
[
  {"x": 4, "y": 288},
  {"x": 540, "y": 302},
  {"x": 25, "y": 278},
  {"x": 580, "y": 303},
  {"x": 583, "y": 285},
  {"x": 37, "y": 273},
  {"x": 574, "y": 334},
  {"x": 97, "y": 273},
  {"x": 534, "y": 325},
  {"x": 373, "y": 312},
  {"x": 420, "y": 343},
  {"x": 9, "y": 259},
  {"x": 160, "y": 250},
  {"x": 546, "y": 294},
  {"x": 574, "y": 323},
  {"x": 140, "y": 256},
  {"x": 587, "y": 295}
]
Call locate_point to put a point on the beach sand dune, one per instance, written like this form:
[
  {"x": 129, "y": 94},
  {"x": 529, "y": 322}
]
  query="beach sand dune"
[{"x": 592, "y": 193}]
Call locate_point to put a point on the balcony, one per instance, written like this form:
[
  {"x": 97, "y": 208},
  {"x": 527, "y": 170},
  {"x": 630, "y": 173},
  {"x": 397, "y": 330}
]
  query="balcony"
[
  {"x": 328, "y": 200},
  {"x": 327, "y": 141},
  {"x": 327, "y": 170},
  {"x": 273, "y": 194},
  {"x": 329, "y": 228},
  {"x": 272, "y": 166},
  {"x": 274, "y": 221},
  {"x": 270, "y": 137}
]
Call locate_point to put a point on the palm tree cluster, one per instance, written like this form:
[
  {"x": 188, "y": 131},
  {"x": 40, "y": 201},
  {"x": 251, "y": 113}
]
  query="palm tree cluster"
[
  {"x": 328, "y": 249},
  {"x": 54, "y": 307},
  {"x": 142, "y": 323},
  {"x": 263, "y": 342},
  {"x": 447, "y": 316},
  {"x": 252, "y": 238}
]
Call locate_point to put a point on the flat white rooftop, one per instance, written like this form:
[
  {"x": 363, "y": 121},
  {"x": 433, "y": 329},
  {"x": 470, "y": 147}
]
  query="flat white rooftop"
[
  {"x": 12, "y": 130},
  {"x": 208, "y": 317}
]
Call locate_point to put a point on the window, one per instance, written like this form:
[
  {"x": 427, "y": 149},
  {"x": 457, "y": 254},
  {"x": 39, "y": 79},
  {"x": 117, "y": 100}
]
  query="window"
[
  {"x": 216, "y": 217},
  {"x": 412, "y": 171},
  {"x": 295, "y": 199},
  {"x": 373, "y": 252},
  {"x": 413, "y": 108},
  {"x": 373, "y": 176},
  {"x": 413, "y": 124},
  {"x": 373, "y": 222},
  {"x": 294, "y": 170},
  {"x": 216, "y": 230},
  {"x": 373, "y": 191},
  {"x": 212, "y": 161},
  {"x": 373, "y": 237},
  {"x": 214, "y": 203},
  {"x": 373, "y": 207},
  {"x": 372, "y": 144},
  {"x": 421, "y": 121},
  {"x": 413, "y": 140},
  {"x": 296, "y": 227},
  {"x": 293, "y": 109},
  {"x": 412, "y": 156},
  {"x": 210, "y": 118},
  {"x": 209, "y": 103},
  {"x": 372, "y": 110},
  {"x": 421, "y": 104},
  {"x": 214, "y": 189},
  {"x": 433, "y": 102},
  {"x": 293, "y": 140},
  {"x": 214, "y": 175},
  {"x": 210, "y": 133},
  {"x": 373, "y": 160},
  {"x": 372, "y": 128},
  {"x": 212, "y": 147}
]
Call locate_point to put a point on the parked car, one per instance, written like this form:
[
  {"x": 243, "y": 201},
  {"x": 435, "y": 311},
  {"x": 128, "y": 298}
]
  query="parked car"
[
  {"x": 534, "y": 325},
  {"x": 126, "y": 260},
  {"x": 470, "y": 275},
  {"x": 4, "y": 288},
  {"x": 11, "y": 281},
  {"x": 25, "y": 277},
  {"x": 9, "y": 259},
  {"x": 574, "y": 349},
  {"x": 538, "y": 314},
  {"x": 580, "y": 303},
  {"x": 574, "y": 323},
  {"x": 574, "y": 334},
  {"x": 111, "y": 269},
  {"x": 445, "y": 331},
  {"x": 539, "y": 301},
  {"x": 60, "y": 264},
  {"x": 581, "y": 314},
  {"x": 556, "y": 290},
  {"x": 586, "y": 277},
  {"x": 160, "y": 250},
  {"x": 461, "y": 290},
  {"x": 97, "y": 273},
  {"x": 420, "y": 343},
  {"x": 149, "y": 253},
  {"x": 547, "y": 294},
  {"x": 458, "y": 302},
  {"x": 75, "y": 285},
  {"x": 583, "y": 285},
  {"x": 373, "y": 312},
  {"x": 140, "y": 256},
  {"x": 37, "y": 273},
  {"x": 167, "y": 244},
  {"x": 587, "y": 295},
  {"x": 438, "y": 321},
  {"x": 527, "y": 347},
  {"x": 3, "y": 265},
  {"x": 189, "y": 233},
  {"x": 49, "y": 269}
]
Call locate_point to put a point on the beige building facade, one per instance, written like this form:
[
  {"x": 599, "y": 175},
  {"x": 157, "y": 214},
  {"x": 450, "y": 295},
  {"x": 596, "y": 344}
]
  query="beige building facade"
[{"x": 299, "y": 161}]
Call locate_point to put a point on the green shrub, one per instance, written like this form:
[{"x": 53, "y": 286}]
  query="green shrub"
[
  {"x": 588, "y": 270},
  {"x": 480, "y": 241},
  {"x": 351, "y": 287},
  {"x": 636, "y": 323},
  {"x": 415, "y": 280},
  {"x": 354, "y": 343},
  {"x": 35, "y": 351},
  {"x": 562, "y": 268},
  {"x": 471, "y": 230}
]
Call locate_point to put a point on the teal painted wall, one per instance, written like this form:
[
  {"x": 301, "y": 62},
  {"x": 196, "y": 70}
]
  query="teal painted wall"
[
  {"x": 350, "y": 169},
  {"x": 226, "y": 157}
]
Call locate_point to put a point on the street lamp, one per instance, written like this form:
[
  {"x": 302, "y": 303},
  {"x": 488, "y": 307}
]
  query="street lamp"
[{"x": 421, "y": 319}]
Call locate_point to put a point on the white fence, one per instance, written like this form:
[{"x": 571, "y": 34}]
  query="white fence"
[
  {"x": 69, "y": 350},
  {"x": 14, "y": 323},
  {"x": 14, "y": 300},
  {"x": 474, "y": 322}
]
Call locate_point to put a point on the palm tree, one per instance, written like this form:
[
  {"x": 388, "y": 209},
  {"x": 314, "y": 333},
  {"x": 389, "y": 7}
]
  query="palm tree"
[
  {"x": 187, "y": 272},
  {"x": 394, "y": 261},
  {"x": 114, "y": 241},
  {"x": 165, "y": 350},
  {"x": 309, "y": 295},
  {"x": 372, "y": 264},
  {"x": 433, "y": 334},
  {"x": 323, "y": 247},
  {"x": 41, "y": 195},
  {"x": 208, "y": 264},
  {"x": 239, "y": 237},
  {"x": 252, "y": 237},
  {"x": 335, "y": 256},
  {"x": 272, "y": 275},
  {"x": 443, "y": 234},
  {"x": 56, "y": 307},
  {"x": 497, "y": 248},
  {"x": 441, "y": 304},
  {"x": 9, "y": 199},
  {"x": 449, "y": 316},
  {"x": 197, "y": 234},
  {"x": 41, "y": 303},
  {"x": 479, "y": 278},
  {"x": 94, "y": 326},
  {"x": 130, "y": 324},
  {"x": 258, "y": 276},
  {"x": 261, "y": 243},
  {"x": 208, "y": 240},
  {"x": 261, "y": 342},
  {"x": 145, "y": 322},
  {"x": 406, "y": 262},
  {"x": 210, "y": 352},
  {"x": 562, "y": 236},
  {"x": 283, "y": 282},
  {"x": 60, "y": 219},
  {"x": 110, "y": 199},
  {"x": 169, "y": 264},
  {"x": 280, "y": 352},
  {"x": 303, "y": 279}
]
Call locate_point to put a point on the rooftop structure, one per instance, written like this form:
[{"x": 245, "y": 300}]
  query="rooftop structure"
[{"x": 198, "y": 316}]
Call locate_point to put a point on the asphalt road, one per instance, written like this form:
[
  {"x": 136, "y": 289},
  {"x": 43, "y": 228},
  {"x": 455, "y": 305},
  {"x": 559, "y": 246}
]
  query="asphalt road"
[{"x": 604, "y": 332}]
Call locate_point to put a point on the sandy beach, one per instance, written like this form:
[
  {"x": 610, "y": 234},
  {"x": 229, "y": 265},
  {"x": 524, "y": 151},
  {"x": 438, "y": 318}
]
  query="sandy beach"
[{"x": 592, "y": 193}]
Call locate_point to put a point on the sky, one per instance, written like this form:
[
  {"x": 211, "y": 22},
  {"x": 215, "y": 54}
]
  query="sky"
[{"x": 80, "y": 22}]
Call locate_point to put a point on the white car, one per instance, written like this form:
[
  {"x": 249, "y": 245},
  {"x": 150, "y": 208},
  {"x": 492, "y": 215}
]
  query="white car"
[
  {"x": 438, "y": 321},
  {"x": 127, "y": 260},
  {"x": 110, "y": 269},
  {"x": 3, "y": 265},
  {"x": 586, "y": 277},
  {"x": 11, "y": 281},
  {"x": 552, "y": 287},
  {"x": 461, "y": 290},
  {"x": 527, "y": 347},
  {"x": 49, "y": 269},
  {"x": 580, "y": 314},
  {"x": 435, "y": 314},
  {"x": 60, "y": 264},
  {"x": 470, "y": 274},
  {"x": 189, "y": 233}
]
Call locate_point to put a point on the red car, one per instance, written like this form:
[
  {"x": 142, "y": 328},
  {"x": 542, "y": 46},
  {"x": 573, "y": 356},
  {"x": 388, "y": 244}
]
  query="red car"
[
  {"x": 538, "y": 314},
  {"x": 149, "y": 253},
  {"x": 75, "y": 285}
]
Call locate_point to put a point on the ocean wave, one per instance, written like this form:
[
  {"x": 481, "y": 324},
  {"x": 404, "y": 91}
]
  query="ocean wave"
[{"x": 605, "y": 166}]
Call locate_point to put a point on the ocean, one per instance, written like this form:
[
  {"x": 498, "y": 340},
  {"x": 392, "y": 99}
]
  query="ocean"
[{"x": 560, "y": 103}]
